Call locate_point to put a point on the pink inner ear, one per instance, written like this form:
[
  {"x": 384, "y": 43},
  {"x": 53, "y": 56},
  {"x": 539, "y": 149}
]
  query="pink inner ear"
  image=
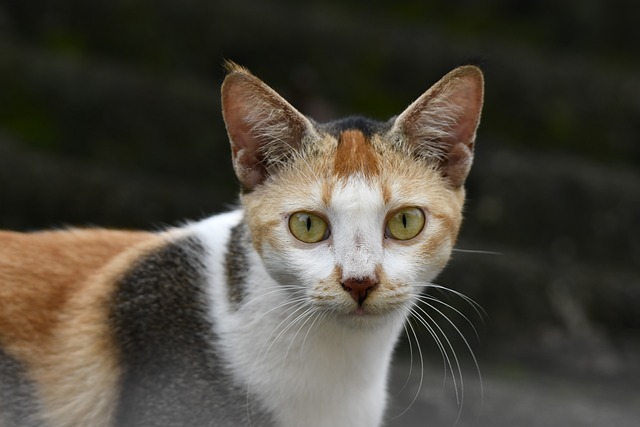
[
  {"x": 248, "y": 167},
  {"x": 458, "y": 163},
  {"x": 466, "y": 96},
  {"x": 263, "y": 127},
  {"x": 442, "y": 123},
  {"x": 237, "y": 105}
]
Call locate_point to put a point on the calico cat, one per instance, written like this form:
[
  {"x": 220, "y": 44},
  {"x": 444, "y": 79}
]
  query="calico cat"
[{"x": 284, "y": 312}]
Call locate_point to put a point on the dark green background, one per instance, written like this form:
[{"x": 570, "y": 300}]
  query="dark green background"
[{"x": 110, "y": 116}]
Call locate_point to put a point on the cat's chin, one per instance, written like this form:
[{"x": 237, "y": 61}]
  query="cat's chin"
[{"x": 362, "y": 317}]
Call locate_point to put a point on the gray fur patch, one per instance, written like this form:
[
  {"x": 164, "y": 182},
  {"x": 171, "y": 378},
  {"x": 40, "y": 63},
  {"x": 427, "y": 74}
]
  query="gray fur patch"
[
  {"x": 18, "y": 402},
  {"x": 173, "y": 373},
  {"x": 236, "y": 263}
]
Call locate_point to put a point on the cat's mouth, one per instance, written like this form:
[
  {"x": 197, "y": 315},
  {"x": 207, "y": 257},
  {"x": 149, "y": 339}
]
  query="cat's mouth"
[
  {"x": 371, "y": 311},
  {"x": 360, "y": 311}
]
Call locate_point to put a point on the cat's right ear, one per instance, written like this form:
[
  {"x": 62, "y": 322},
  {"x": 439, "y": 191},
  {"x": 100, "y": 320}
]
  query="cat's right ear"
[{"x": 264, "y": 129}]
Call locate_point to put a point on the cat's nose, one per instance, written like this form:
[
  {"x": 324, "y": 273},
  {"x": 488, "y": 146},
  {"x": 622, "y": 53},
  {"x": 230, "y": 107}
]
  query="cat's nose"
[{"x": 359, "y": 289}]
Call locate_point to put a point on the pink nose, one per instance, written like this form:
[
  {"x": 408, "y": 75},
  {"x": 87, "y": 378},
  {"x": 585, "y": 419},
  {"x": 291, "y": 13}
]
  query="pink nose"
[{"x": 359, "y": 289}]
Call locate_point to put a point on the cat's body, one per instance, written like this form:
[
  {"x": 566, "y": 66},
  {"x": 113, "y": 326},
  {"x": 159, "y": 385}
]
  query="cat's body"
[{"x": 282, "y": 313}]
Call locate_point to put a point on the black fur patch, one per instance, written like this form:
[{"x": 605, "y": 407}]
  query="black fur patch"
[
  {"x": 18, "y": 402},
  {"x": 367, "y": 126},
  {"x": 173, "y": 374}
]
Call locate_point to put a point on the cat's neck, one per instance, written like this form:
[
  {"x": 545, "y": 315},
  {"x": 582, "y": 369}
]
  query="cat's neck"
[{"x": 284, "y": 353}]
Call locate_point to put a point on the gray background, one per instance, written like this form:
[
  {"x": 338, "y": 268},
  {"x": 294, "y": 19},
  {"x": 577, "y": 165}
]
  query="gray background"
[{"x": 110, "y": 116}]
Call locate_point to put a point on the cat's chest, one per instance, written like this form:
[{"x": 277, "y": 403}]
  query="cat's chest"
[
  {"x": 308, "y": 370},
  {"x": 302, "y": 365}
]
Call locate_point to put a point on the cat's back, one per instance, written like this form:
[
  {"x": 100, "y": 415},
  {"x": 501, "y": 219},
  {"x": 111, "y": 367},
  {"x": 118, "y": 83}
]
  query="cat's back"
[
  {"x": 41, "y": 271},
  {"x": 54, "y": 293}
]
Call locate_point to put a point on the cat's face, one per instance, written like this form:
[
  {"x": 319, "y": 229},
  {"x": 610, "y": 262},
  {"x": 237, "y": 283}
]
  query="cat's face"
[
  {"x": 319, "y": 231},
  {"x": 354, "y": 217}
]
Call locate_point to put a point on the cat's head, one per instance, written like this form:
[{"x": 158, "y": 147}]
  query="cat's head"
[{"x": 356, "y": 216}]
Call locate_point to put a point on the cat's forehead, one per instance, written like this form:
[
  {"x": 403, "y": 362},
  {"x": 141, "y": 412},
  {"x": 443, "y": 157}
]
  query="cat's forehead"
[
  {"x": 353, "y": 169},
  {"x": 352, "y": 146}
]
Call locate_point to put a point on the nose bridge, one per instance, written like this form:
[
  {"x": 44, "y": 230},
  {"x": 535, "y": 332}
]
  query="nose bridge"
[
  {"x": 360, "y": 257},
  {"x": 358, "y": 237}
]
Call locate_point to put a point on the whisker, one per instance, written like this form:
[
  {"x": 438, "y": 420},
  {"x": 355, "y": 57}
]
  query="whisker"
[
  {"x": 424, "y": 298},
  {"x": 471, "y": 352},
  {"x": 417, "y": 393},
  {"x": 476, "y": 251},
  {"x": 443, "y": 352},
  {"x": 283, "y": 331},
  {"x": 286, "y": 302},
  {"x": 477, "y": 307},
  {"x": 319, "y": 315},
  {"x": 307, "y": 314},
  {"x": 443, "y": 348},
  {"x": 429, "y": 301},
  {"x": 271, "y": 290},
  {"x": 404, "y": 325}
]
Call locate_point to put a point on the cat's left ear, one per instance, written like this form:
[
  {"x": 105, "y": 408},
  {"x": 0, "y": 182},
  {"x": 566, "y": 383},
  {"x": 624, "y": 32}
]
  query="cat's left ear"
[
  {"x": 264, "y": 129},
  {"x": 441, "y": 125}
]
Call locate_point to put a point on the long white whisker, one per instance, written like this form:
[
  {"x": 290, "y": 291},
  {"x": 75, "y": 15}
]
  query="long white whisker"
[
  {"x": 406, "y": 331},
  {"x": 425, "y": 298},
  {"x": 476, "y": 251},
  {"x": 285, "y": 303},
  {"x": 471, "y": 352},
  {"x": 477, "y": 307},
  {"x": 415, "y": 396},
  {"x": 270, "y": 290},
  {"x": 307, "y": 314},
  {"x": 443, "y": 349},
  {"x": 320, "y": 316},
  {"x": 284, "y": 330}
]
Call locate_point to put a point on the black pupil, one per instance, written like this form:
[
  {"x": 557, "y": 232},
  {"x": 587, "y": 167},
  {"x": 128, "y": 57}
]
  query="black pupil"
[
  {"x": 404, "y": 220},
  {"x": 308, "y": 223}
]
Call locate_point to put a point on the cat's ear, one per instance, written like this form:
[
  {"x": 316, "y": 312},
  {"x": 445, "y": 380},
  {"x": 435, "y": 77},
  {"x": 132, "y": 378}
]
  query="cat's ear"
[
  {"x": 441, "y": 125},
  {"x": 264, "y": 129}
]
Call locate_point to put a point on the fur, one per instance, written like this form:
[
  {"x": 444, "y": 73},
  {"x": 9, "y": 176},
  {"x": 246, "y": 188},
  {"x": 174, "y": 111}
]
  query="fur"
[{"x": 232, "y": 320}]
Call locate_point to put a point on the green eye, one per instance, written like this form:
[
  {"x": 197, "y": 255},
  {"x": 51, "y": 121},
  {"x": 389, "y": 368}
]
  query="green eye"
[
  {"x": 405, "y": 224},
  {"x": 308, "y": 227}
]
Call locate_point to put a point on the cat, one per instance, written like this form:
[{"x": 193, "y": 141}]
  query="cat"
[{"x": 283, "y": 312}]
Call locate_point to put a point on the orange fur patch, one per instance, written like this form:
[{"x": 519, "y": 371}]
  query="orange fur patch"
[
  {"x": 386, "y": 193},
  {"x": 39, "y": 272},
  {"x": 327, "y": 192},
  {"x": 355, "y": 154}
]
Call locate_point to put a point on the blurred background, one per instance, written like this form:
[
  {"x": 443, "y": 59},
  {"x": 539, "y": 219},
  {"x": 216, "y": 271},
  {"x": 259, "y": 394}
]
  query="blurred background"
[{"x": 110, "y": 116}]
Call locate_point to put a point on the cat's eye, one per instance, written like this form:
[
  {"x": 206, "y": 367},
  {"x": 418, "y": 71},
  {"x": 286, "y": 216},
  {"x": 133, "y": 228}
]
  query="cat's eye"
[
  {"x": 308, "y": 227},
  {"x": 405, "y": 224}
]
